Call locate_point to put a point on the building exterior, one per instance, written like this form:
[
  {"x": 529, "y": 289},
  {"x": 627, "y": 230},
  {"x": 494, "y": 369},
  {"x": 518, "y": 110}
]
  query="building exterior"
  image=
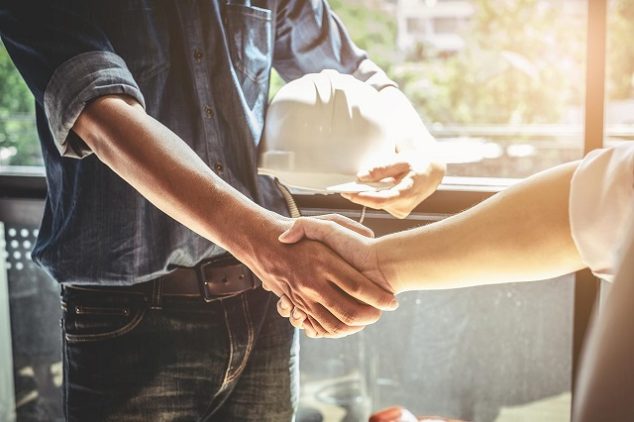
[{"x": 434, "y": 24}]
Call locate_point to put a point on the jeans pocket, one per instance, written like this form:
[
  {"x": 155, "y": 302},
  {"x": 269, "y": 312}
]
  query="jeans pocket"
[{"x": 91, "y": 323}]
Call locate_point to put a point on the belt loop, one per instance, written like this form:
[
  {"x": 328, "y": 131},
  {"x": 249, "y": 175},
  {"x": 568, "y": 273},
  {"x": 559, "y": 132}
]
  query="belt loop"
[{"x": 156, "y": 294}]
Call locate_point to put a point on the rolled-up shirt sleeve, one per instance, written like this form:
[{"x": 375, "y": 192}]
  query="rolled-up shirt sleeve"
[
  {"x": 601, "y": 205},
  {"x": 311, "y": 38},
  {"x": 66, "y": 61},
  {"x": 74, "y": 84}
]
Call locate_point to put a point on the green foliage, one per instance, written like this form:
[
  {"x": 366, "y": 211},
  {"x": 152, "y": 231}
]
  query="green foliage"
[
  {"x": 17, "y": 122},
  {"x": 372, "y": 30},
  {"x": 521, "y": 64}
]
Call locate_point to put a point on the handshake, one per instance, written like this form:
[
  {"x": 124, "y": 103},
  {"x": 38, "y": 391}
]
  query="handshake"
[
  {"x": 346, "y": 289},
  {"x": 325, "y": 270}
]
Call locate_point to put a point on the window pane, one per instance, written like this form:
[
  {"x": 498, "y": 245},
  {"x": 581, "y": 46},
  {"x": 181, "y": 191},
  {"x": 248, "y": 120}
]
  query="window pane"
[
  {"x": 500, "y": 84},
  {"x": 619, "y": 113},
  {"x": 31, "y": 298},
  {"x": 494, "y": 353},
  {"x": 499, "y": 353},
  {"x": 19, "y": 145}
]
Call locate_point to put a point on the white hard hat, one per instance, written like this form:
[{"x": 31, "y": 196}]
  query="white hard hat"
[{"x": 321, "y": 130}]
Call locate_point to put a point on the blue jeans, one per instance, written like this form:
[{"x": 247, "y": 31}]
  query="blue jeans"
[{"x": 143, "y": 357}]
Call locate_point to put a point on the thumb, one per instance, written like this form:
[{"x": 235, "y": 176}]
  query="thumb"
[
  {"x": 328, "y": 232},
  {"x": 305, "y": 227},
  {"x": 294, "y": 233}
]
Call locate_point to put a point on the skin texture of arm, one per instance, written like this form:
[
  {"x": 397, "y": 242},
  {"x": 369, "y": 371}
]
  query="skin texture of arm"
[
  {"x": 415, "y": 172},
  {"x": 162, "y": 168},
  {"x": 520, "y": 234}
]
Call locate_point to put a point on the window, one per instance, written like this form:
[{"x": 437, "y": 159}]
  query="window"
[
  {"x": 19, "y": 145},
  {"x": 500, "y": 84},
  {"x": 416, "y": 25},
  {"x": 446, "y": 25},
  {"x": 619, "y": 112}
]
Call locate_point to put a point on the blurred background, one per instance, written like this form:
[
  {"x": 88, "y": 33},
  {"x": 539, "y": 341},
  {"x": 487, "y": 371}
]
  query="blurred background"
[{"x": 501, "y": 84}]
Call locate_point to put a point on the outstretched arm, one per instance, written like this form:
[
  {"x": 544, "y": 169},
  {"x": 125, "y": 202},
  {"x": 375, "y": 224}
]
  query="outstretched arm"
[
  {"x": 520, "y": 234},
  {"x": 167, "y": 172}
]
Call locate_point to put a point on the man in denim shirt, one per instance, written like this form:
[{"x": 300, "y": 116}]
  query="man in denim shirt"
[{"x": 149, "y": 113}]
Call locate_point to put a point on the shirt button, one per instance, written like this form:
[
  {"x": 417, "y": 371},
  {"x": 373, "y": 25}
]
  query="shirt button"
[
  {"x": 209, "y": 112},
  {"x": 218, "y": 167},
  {"x": 198, "y": 55}
]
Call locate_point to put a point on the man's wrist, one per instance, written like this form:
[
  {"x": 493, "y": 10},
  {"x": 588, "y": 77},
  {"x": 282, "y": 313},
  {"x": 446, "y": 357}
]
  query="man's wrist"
[{"x": 255, "y": 232}]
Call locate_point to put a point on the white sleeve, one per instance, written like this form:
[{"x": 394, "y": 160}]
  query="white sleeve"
[{"x": 601, "y": 205}]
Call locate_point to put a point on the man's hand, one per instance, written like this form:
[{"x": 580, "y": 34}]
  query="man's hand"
[
  {"x": 337, "y": 299},
  {"x": 349, "y": 240},
  {"x": 414, "y": 180}
]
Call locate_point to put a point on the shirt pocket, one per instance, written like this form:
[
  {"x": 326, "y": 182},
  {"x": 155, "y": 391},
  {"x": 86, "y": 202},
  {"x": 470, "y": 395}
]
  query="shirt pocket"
[{"x": 249, "y": 35}]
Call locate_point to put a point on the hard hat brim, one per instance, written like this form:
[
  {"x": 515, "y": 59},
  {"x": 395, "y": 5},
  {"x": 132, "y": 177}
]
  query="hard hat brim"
[{"x": 324, "y": 183}]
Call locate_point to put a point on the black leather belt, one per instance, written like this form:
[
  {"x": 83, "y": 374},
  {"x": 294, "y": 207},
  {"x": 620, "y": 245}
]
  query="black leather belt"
[{"x": 212, "y": 279}]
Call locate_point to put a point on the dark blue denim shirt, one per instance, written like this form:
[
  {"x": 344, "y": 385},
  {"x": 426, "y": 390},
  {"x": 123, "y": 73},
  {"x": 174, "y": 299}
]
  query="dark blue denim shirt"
[{"x": 200, "y": 67}]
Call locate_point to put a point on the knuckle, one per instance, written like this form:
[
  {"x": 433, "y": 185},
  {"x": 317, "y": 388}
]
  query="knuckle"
[
  {"x": 332, "y": 217},
  {"x": 329, "y": 304},
  {"x": 310, "y": 291},
  {"x": 338, "y": 328},
  {"x": 319, "y": 331},
  {"x": 354, "y": 288},
  {"x": 330, "y": 224},
  {"x": 348, "y": 319},
  {"x": 354, "y": 317}
]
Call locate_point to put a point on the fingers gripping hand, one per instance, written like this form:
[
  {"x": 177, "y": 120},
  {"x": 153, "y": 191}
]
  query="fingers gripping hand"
[
  {"x": 323, "y": 286},
  {"x": 346, "y": 238},
  {"x": 329, "y": 224}
]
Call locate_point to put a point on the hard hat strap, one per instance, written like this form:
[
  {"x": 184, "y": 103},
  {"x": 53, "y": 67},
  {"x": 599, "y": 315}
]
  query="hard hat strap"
[
  {"x": 293, "y": 209},
  {"x": 362, "y": 214}
]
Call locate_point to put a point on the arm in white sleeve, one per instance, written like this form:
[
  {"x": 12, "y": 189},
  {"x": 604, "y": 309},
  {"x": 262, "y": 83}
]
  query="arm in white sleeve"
[{"x": 601, "y": 203}]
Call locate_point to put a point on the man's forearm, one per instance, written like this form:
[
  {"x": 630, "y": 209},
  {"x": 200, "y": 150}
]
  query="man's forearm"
[
  {"x": 166, "y": 171},
  {"x": 520, "y": 234}
]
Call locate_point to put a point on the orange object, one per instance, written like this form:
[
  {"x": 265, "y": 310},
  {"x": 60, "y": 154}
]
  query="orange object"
[
  {"x": 399, "y": 414},
  {"x": 393, "y": 414}
]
